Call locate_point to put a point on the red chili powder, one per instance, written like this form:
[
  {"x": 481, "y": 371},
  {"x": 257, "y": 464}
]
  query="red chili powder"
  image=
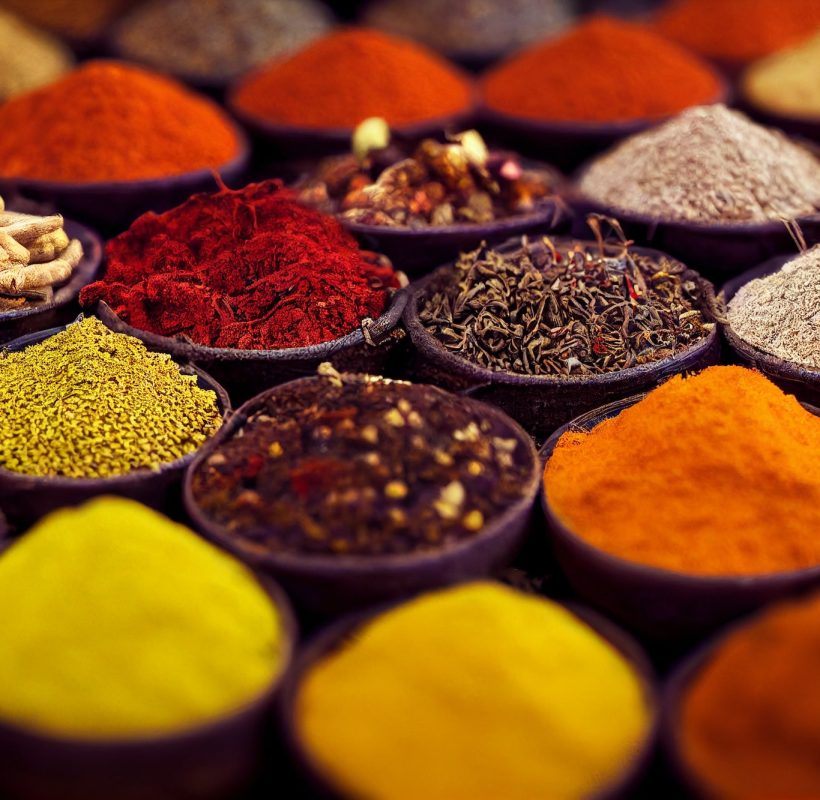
[
  {"x": 603, "y": 70},
  {"x": 251, "y": 269},
  {"x": 355, "y": 73}
]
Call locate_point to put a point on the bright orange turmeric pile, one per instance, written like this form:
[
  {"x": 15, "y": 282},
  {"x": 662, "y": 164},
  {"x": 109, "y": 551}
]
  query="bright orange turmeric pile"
[{"x": 717, "y": 474}]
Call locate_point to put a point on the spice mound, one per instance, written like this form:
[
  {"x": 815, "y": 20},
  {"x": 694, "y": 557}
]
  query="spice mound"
[
  {"x": 79, "y": 19},
  {"x": 709, "y": 165},
  {"x": 218, "y": 39},
  {"x": 127, "y": 625},
  {"x": 780, "y": 314},
  {"x": 36, "y": 256},
  {"x": 434, "y": 185},
  {"x": 251, "y": 269},
  {"x": 109, "y": 121},
  {"x": 787, "y": 83},
  {"x": 90, "y": 403},
  {"x": 350, "y": 75},
  {"x": 394, "y": 713},
  {"x": 750, "y": 719},
  {"x": 564, "y": 308},
  {"x": 602, "y": 70},
  {"x": 358, "y": 465},
  {"x": 715, "y": 474}
]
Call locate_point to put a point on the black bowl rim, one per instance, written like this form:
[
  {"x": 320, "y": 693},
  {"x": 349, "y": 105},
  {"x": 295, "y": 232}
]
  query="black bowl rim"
[
  {"x": 427, "y": 343},
  {"x": 255, "y": 705},
  {"x": 332, "y": 565},
  {"x": 334, "y": 636},
  {"x": 85, "y": 272},
  {"x": 634, "y": 570},
  {"x": 115, "y": 481},
  {"x": 390, "y": 317}
]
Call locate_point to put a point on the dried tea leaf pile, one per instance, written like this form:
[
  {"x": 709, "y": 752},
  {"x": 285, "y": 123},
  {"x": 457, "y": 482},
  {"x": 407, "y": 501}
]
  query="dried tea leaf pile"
[
  {"x": 564, "y": 309},
  {"x": 362, "y": 466},
  {"x": 90, "y": 403}
]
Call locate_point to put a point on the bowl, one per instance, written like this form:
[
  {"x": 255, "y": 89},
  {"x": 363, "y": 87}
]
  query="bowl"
[
  {"x": 337, "y": 634},
  {"x": 326, "y": 586},
  {"x": 540, "y": 403},
  {"x": 247, "y": 372},
  {"x": 801, "y": 381},
  {"x": 26, "y": 498},
  {"x": 62, "y": 307},
  {"x": 664, "y": 606},
  {"x": 214, "y": 760},
  {"x": 113, "y": 205}
]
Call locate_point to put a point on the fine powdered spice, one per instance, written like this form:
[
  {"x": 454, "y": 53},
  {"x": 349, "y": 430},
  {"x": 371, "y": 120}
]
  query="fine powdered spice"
[
  {"x": 710, "y": 165},
  {"x": 780, "y": 314},
  {"x": 563, "y": 308},
  {"x": 79, "y": 19},
  {"x": 109, "y": 121},
  {"x": 750, "y": 720},
  {"x": 357, "y": 465},
  {"x": 715, "y": 474},
  {"x": 89, "y": 403},
  {"x": 477, "y": 691},
  {"x": 602, "y": 70},
  {"x": 350, "y": 75},
  {"x": 218, "y": 39},
  {"x": 250, "y": 269}
]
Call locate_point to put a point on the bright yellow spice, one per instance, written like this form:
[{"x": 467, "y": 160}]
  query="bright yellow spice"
[
  {"x": 478, "y": 691},
  {"x": 127, "y": 625}
]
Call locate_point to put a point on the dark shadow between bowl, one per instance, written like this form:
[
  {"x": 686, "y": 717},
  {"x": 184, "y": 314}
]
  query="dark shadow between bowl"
[
  {"x": 664, "y": 606},
  {"x": 62, "y": 308},
  {"x": 26, "y": 498},
  {"x": 339, "y": 633},
  {"x": 801, "y": 381},
  {"x": 327, "y": 586},
  {"x": 207, "y": 762},
  {"x": 540, "y": 403},
  {"x": 248, "y": 372}
]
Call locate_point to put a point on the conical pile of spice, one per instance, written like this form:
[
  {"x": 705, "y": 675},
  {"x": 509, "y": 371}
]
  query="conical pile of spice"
[
  {"x": 251, "y": 269},
  {"x": 716, "y": 474},
  {"x": 708, "y": 165},
  {"x": 90, "y": 403},
  {"x": 80, "y": 19},
  {"x": 362, "y": 466},
  {"x": 780, "y": 314},
  {"x": 477, "y": 691},
  {"x": 350, "y": 75},
  {"x": 602, "y": 70},
  {"x": 109, "y": 121},
  {"x": 750, "y": 718},
  {"x": 564, "y": 308}
]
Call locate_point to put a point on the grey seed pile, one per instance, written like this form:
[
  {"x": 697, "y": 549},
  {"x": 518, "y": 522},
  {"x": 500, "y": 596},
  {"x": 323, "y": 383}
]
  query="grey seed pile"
[
  {"x": 709, "y": 164},
  {"x": 780, "y": 314}
]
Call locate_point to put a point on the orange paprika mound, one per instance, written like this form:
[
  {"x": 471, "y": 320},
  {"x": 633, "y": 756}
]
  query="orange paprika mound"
[
  {"x": 355, "y": 73},
  {"x": 107, "y": 121},
  {"x": 602, "y": 70},
  {"x": 750, "y": 720},
  {"x": 716, "y": 474},
  {"x": 738, "y": 30}
]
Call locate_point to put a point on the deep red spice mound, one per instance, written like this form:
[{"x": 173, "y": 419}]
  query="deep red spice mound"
[{"x": 251, "y": 269}]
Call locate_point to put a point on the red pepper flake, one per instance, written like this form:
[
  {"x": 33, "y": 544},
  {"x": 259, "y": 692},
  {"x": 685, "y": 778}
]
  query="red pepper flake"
[
  {"x": 632, "y": 293},
  {"x": 598, "y": 346}
]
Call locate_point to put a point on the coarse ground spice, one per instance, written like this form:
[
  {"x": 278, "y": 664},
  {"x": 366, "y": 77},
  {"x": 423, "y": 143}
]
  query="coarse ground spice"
[
  {"x": 715, "y": 474},
  {"x": 127, "y": 625},
  {"x": 710, "y": 165},
  {"x": 780, "y": 314},
  {"x": 738, "y": 30},
  {"x": 362, "y": 466},
  {"x": 110, "y": 121},
  {"x": 90, "y": 403},
  {"x": 250, "y": 269},
  {"x": 477, "y": 691},
  {"x": 750, "y": 719},
  {"x": 350, "y": 75},
  {"x": 602, "y": 70}
]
